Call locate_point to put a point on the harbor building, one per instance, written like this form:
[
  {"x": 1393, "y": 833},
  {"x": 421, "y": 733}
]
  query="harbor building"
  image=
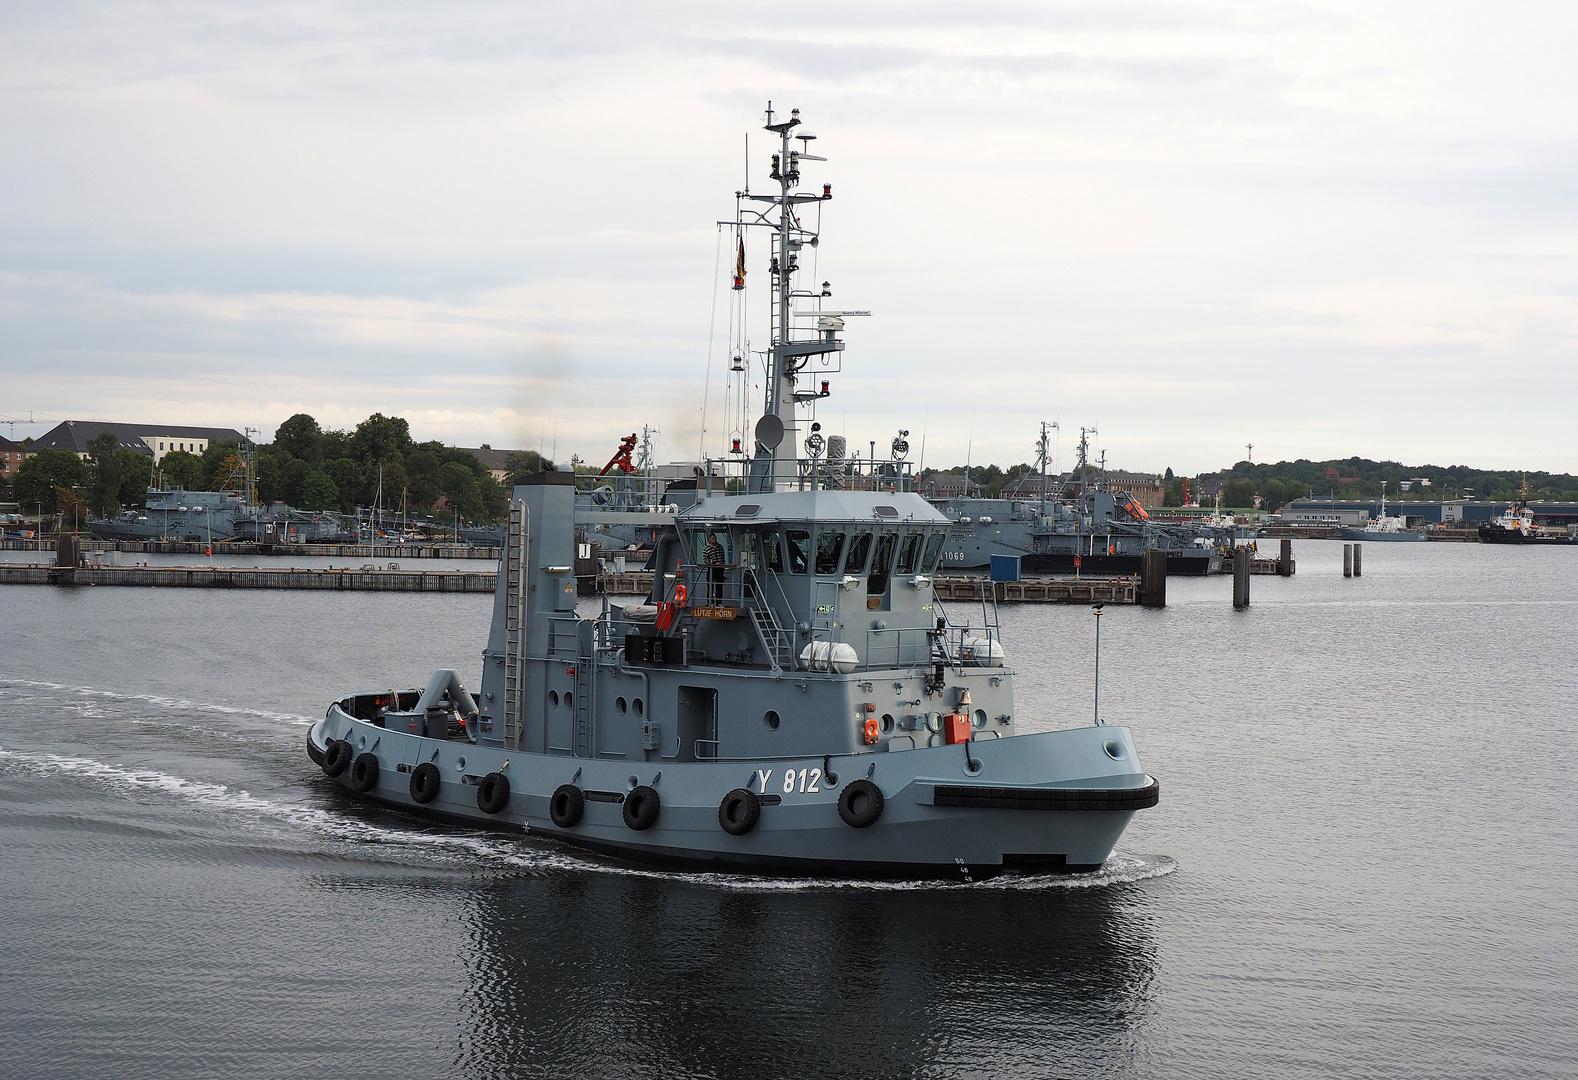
[
  {"x": 12, "y": 454},
  {"x": 155, "y": 440},
  {"x": 1456, "y": 512}
]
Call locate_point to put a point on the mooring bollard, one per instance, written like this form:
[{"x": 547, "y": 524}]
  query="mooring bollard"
[
  {"x": 1358, "y": 560},
  {"x": 1153, "y": 579},
  {"x": 1240, "y": 578},
  {"x": 1347, "y": 560},
  {"x": 1285, "y": 559}
]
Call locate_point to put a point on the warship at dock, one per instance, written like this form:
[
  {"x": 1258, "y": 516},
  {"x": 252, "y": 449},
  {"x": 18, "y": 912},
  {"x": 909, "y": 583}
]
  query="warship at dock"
[
  {"x": 1097, "y": 531},
  {"x": 791, "y": 698}
]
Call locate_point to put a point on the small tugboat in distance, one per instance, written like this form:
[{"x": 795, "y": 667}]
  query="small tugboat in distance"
[
  {"x": 791, "y": 698},
  {"x": 1517, "y": 526}
]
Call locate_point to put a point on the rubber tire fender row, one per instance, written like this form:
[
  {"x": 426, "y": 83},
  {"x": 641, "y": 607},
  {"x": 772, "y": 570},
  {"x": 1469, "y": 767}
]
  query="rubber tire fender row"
[
  {"x": 493, "y": 793},
  {"x": 337, "y": 757},
  {"x": 642, "y": 807},
  {"x": 860, "y": 804},
  {"x": 739, "y": 811},
  {"x": 364, "y": 772},
  {"x": 566, "y": 805},
  {"x": 425, "y": 781}
]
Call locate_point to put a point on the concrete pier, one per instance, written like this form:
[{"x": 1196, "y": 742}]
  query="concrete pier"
[
  {"x": 230, "y": 577},
  {"x": 1153, "y": 579},
  {"x": 1358, "y": 560},
  {"x": 1347, "y": 560},
  {"x": 1241, "y": 578},
  {"x": 325, "y": 551}
]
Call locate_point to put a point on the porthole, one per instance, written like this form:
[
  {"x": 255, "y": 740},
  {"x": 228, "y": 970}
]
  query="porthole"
[
  {"x": 621, "y": 704},
  {"x": 934, "y": 721},
  {"x": 569, "y": 700},
  {"x": 980, "y": 718},
  {"x": 639, "y": 706},
  {"x": 553, "y": 699},
  {"x": 887, "y": 724},
  {"x": 771, "y": 719}
]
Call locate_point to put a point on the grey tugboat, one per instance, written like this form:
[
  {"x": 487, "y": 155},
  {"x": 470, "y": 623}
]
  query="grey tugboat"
[{"x": 790, "y": 699}]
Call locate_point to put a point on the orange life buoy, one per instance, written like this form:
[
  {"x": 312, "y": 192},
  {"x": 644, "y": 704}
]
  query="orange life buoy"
[
  {"x": 871, "y": 730},
  {"x": 680, "y": 596}
]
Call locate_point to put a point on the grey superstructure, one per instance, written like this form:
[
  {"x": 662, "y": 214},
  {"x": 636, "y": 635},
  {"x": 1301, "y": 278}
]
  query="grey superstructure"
[{"x": 791, "y": 698}]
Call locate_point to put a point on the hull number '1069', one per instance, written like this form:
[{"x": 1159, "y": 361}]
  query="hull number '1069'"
[{"x": 806, "y": 781}]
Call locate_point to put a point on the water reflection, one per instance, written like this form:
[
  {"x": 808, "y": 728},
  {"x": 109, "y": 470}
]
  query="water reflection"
[{"x": 592, "y": 973}]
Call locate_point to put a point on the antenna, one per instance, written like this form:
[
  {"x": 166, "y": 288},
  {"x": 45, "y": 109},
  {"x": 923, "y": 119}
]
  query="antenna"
[
  {"x": 1096, "y": 610},
  {"x": 1251, "y": 448}
]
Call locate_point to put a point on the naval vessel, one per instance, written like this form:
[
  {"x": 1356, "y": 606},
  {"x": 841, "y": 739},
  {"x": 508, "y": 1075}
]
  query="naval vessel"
[{"x": 790, "y": 698}]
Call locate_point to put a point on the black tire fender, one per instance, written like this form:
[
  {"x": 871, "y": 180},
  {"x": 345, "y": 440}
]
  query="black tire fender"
[
  {"x": 739, "y": 811},
  {"x": 425, "y": 781},
  {"x": 860, "y": 804},
  {"x": 493, "y": 793},
  {"x": 337, "y": 757},
  {"x": 566, "y": 805},
  {"x": 364, "y": 772},
  {"x": 642, "y": 807}
]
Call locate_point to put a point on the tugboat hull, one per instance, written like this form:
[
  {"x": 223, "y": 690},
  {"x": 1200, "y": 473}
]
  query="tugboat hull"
[{"x": 1056, "y": 801}]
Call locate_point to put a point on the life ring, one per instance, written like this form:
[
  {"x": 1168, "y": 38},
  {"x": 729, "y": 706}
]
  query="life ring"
[
  {"x": 566, "y": 805},
  {"x": 425, "y": 782},
  {"x": 337, "y": 758},
  {"x": 860, "y": 804},
  {"x": 871, "y": 730},
  {"x": 739, "y": 811},
  {"x": 642, "y": 806},
  {"x": 680, "y": 595},
  {"x": 493, "y": 793},
  {"x": 364, "y": 772}
]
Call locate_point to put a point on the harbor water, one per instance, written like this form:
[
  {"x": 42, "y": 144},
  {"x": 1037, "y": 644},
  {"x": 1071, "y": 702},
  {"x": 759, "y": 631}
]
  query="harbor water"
[{"x": 1364, "y": 863}]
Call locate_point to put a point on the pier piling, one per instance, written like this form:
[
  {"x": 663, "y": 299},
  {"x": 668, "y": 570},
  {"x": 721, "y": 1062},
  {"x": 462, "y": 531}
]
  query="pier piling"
[
  {"x": 1347, "y": 560},
  {"x": 1240, "y": 578},
  {"x": 1358, "y": 560},
  {"x": 1285, "y": 559},
  {"x": 1153, "y": 579}
]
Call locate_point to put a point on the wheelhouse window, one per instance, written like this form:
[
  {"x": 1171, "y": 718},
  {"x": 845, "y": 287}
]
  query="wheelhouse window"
[
  {"x": 881, "y": 564},
  {"x": 933, "y": 550},
  {"x": 859, "y": 552},
  {"x": 909, "y": 554},
  {"x": 799, "y": 549},
  {"x": 829, "y": 546},
  {"x": 772, "y": 551}
]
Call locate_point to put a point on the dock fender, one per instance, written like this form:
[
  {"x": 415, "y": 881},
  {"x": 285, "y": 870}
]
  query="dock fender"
[
  {"x": 493, "y": 793},
  {"x": 566, "y": 806},
  {"x": 337, "y": 757},
  {"x": 425, "y": 781},
  {"x": 739, "y": 811},
  {"x": 364, "y": 772},
  {"x": 860, "y": 804},
  {"x": 642, "y": 807}
]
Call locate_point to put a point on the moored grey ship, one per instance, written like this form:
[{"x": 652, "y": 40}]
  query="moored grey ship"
[{"x": 791, "y": 698}]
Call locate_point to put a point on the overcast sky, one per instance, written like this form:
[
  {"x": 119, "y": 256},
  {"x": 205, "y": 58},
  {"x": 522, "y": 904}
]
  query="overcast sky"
[{"x": 1321, "y": 228}]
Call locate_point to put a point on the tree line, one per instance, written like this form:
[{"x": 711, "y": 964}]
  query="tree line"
[{"x": 306, "y": 466}]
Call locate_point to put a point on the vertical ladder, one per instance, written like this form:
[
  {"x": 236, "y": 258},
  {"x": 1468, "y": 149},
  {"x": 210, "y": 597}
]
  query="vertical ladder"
[{"x": 515, "y": 563}]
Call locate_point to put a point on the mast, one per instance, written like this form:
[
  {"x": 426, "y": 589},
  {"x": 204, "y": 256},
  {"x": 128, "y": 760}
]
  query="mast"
[{"x": 775, "y": 435}]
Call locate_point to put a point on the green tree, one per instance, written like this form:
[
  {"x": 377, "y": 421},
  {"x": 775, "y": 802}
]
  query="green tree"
[
  {"x": 1238, "y": 494},
  {"x": 348, "y": 479},
  {"x": 382, "y": 438},
  {"x": 104, "y": 474},
  {"x": 38, "y": 478},
  {"x": 318, "y": 491},
  {"x": 182, "y": 470},
  {"x": 301, "y": 437},
  {"x": 220, "y": 461},
  {"x": 461, "y": 489}
]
